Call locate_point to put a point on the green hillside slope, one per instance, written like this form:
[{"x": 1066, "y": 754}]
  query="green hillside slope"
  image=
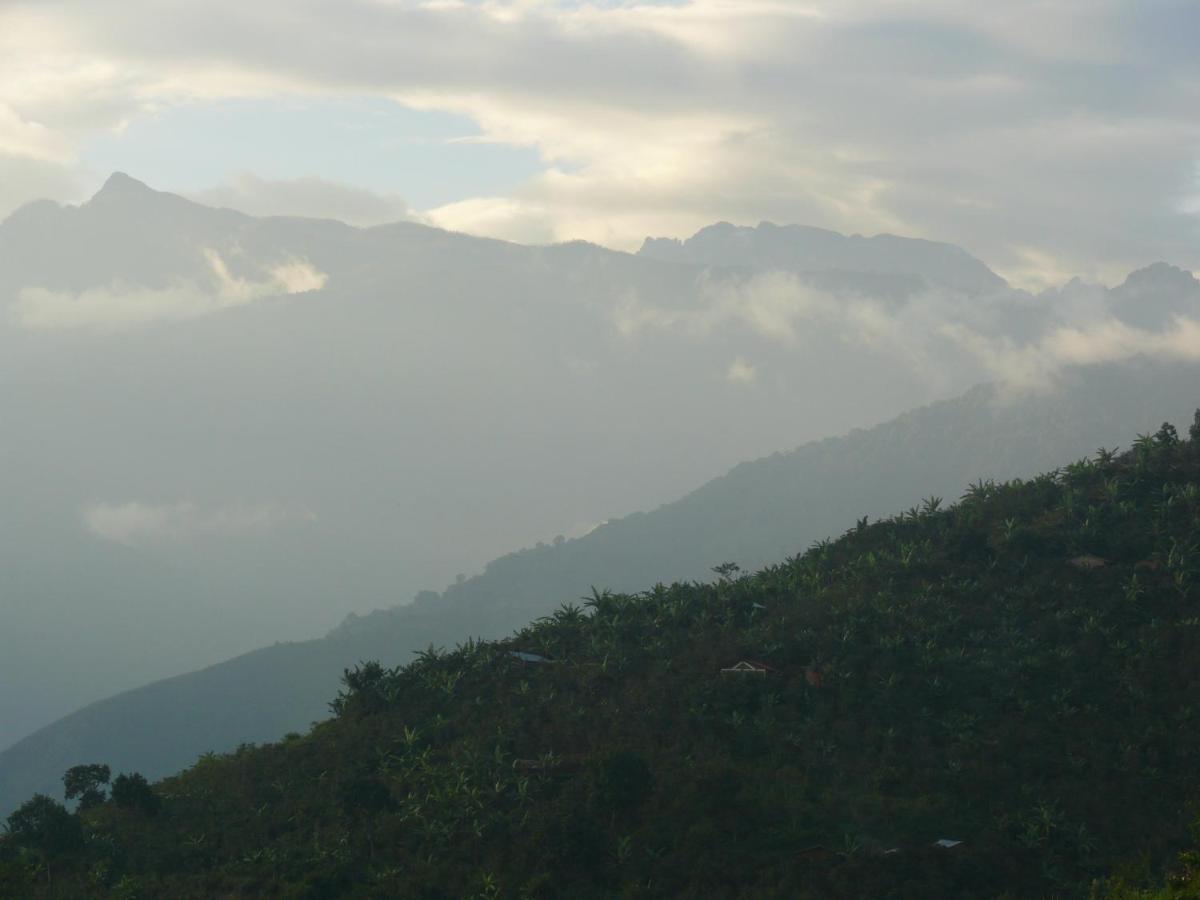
[
  {"x": 1017, "y": 672},
  {"x": 758, "y": 514}
]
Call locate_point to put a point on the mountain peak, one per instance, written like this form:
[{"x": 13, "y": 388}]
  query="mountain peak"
[
  {"x": 119, "y": 183},
  {"x": 124, "y": 191},
  {"x": 1159, "y": 275}
]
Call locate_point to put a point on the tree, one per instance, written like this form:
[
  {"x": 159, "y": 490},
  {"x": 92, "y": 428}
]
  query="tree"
[
  {"x": 134, "y": 792},
  {"x": 727, "y": 571},
  {"x": 363, "y": 693},
  {"x": 45, "y": 824},
  {"x": 86, "y": 783},
  {"x": 1167, "y": 436}
]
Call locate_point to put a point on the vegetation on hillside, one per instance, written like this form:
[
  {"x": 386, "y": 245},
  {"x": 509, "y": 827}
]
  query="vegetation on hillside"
[{"x": 1017, "y": 672}]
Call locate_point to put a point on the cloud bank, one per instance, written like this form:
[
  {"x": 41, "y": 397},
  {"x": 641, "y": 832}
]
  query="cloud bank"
[
  {"x": 1022, "y": 341},
  {"x": 310, "y": 197},
  {"x": 1036, "y": 365},
  {"x": 136, "y": 524},
  {"x": 120, "y": 306}
]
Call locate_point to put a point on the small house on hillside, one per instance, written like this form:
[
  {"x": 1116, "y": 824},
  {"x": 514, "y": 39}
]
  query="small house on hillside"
[
  {"x": 747, "y": 667},
  {"x": 530, "y": 658},
  {"x": 946, "y": 843}
]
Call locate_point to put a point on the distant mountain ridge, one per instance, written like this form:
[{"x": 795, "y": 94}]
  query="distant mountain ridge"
[{"x": 803, "y": 248}]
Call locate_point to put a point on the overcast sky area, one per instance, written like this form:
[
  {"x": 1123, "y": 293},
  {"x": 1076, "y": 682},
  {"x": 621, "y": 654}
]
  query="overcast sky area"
[{"x": 1049, "y": 137}]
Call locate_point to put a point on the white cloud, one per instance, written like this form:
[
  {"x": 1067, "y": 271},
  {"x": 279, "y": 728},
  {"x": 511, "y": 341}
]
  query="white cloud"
[
  {"x": 1036, "y": 365},
  {"x": 25, "y": 178},
  {"x": 773, "y": 305},
  {"x": 19, "y": 137},
  {"x": 310, "y": 197},
  {"x": 135, "y": 523},
  {"x": 930, "y": 334},
  {"x": 119, "y": 306},
  {"x": 506, "y": 218}
]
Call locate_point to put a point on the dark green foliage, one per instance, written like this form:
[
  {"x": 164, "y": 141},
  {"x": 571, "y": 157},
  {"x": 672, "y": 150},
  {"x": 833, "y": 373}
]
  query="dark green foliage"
[
  {"x": 44, "y": 824},
  {"x": 86, "y": 784},
  {"x": 364, "y": 690},
  {"x": 623, "y": 781},
  {"x": 1136, "y": 881},
  {"x": 972, "y": 672},
  {"x": 134, "y": 792}
]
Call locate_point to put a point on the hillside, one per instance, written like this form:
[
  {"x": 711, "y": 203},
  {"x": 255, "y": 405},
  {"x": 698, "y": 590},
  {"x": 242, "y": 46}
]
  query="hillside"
[
  {"x": 1016, "y": 672},
  {"x": 759, "y": 513}
]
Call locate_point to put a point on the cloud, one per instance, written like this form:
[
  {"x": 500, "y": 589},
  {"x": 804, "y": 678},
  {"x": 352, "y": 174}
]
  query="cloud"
[
  {"x": 310, "y": 197},
  {"x": 741, "y": 372},
  {"x": 135, "y": 523},
  {"x": 119, "y": 306},
  {"x": 1035, "y": 365},
  {"x": 773, "y": 305},
  {"x": 1025, "y": 342},
  {"x": 506, "y": 218},
  {"x": 19, "y": 137},
  {"x": 24, "y": 179}
]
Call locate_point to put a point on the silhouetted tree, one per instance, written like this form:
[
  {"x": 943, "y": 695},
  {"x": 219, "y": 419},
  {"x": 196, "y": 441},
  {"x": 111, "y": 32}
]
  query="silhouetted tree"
[
  {"x": 362, "y": 693},
  {"x": 1167, "y": 436},
  {"x": 134, "y": 792},
  {"x": 86, "y": 784},
  {"x": 45, "y": 824}
]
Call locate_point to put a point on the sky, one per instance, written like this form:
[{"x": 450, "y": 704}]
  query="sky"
[{"x": 1052, "y": 138}]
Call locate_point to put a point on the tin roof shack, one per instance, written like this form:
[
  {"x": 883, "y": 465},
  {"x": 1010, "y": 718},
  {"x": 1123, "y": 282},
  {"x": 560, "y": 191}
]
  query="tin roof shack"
[
  {"x": 532, "y": 659},
  {"x": 747, "y": 667}
]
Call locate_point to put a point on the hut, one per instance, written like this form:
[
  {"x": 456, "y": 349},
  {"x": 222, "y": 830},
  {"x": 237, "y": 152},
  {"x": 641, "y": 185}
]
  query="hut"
[
  {"x": 747, "y": 667},
  {"x": 530, "y": 659}
]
